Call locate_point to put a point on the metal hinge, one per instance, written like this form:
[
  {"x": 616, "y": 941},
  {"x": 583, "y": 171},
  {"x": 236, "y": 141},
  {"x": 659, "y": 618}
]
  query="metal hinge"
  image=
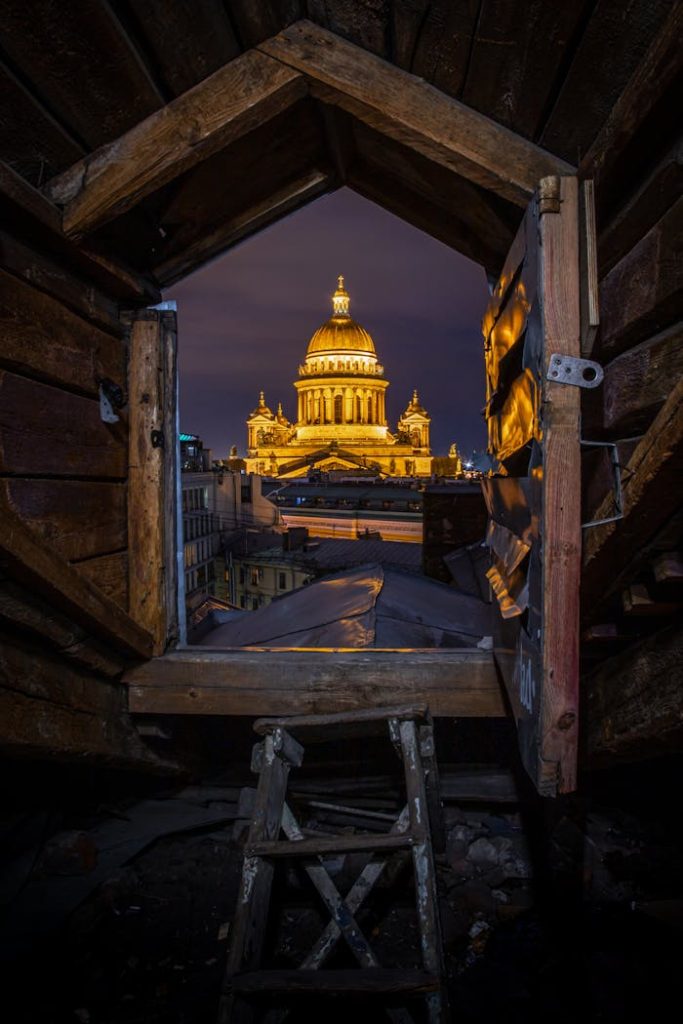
[
  {"x": 583, "y": 373},
  {"x": 616, "y": 483}
]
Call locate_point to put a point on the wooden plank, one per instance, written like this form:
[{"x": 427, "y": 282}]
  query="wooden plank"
[
  {"x": 231, "y": 102},
  {"x": 255, "y": 22},
  {"x": 641, "y": 294},
  {"x": 413, "y": 112},
  {"x": 651, "y": 495},
  {"x": 33, "y": 141},
  {"x": 450, "y": 227},
  {"x": 325, "y": 846},
  {"x": 43, "y": 339},
  {"x": 638, "y": 382},
  {"x": 453, "y": 683},
  {"x": 70, "y": 44},
  {"x": 52, "y": 278},
  {"x": 561, "y": 513},
  {"x": 607, "y": 53},
  {"x": 323, "y": 726},
  {"x": 514, "y": 60},
  {"x": 658, "y": 71},
  {"x": 433, "y": 40},
  {"x": 35, "y": 564},
  {"x": 483, "y": 215},
  {"x": 171, "y": 470},
  {"x": 52, "y": 710},
  {"x": 77, "y": 519},
  {"x": 189, "y": 41},
  {"x": 249, "y": 924},
  {"x": 45, "y": 430},
  {"x": 146, "y": 524},
  {"x": 424, "y": 870},
  {"x": 590, "y": 304},
  {"x": 342, "y": 981},
  {"x": 223, "y": 235},
  {"x": 109, "y": 573},
  {"x": 29, "y": 616},
  {"x": 654, "y": 195},
  {"x": 634, "y": 701},
  {"x": 244, "y": 177},
  {"x": 29, "y": 213}
]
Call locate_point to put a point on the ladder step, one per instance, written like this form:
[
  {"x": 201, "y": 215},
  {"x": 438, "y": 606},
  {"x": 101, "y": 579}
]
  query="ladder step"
[
  {"x": 341, "y": 844},
  {"x": 361, "y": 981}
]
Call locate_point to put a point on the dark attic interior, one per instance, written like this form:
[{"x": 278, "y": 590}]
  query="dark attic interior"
[{"x": 483, "y": 829}]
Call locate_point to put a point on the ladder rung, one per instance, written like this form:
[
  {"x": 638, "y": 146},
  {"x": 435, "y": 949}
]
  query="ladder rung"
[
  {"x": 342, "y": 844},
  {"x": 358, "y": 981}
]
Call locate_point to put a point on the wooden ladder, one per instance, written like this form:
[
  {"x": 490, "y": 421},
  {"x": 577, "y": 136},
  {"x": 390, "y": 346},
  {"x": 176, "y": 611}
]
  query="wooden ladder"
[{"x": 416, "y": 829}]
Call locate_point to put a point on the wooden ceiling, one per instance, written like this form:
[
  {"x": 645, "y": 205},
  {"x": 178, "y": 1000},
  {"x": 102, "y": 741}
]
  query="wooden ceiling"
[{"x": 76, "y": 76}]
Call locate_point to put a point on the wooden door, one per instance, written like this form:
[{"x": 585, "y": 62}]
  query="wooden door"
[{"x": 533, "y": 495}]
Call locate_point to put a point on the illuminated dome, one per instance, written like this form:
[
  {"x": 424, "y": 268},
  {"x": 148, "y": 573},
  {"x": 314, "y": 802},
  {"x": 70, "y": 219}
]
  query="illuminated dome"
[{"x": 340, "y": 333}]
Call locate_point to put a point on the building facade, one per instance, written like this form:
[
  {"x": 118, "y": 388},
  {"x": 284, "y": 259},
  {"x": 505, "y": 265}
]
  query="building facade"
[
  {"x": 341, "y": 419},
  {"x": 215, "y": 504}
]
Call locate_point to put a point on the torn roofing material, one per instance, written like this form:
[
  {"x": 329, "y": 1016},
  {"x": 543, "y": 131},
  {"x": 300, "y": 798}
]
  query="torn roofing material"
[{"x": 366, "y": 607}]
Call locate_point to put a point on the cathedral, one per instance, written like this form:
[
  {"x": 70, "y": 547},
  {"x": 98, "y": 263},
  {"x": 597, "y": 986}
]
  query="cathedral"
[{"x": 341, "y": 419}]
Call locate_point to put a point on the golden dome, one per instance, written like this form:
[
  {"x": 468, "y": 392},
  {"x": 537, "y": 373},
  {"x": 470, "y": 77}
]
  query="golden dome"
[{"x": 341, "y": 333}]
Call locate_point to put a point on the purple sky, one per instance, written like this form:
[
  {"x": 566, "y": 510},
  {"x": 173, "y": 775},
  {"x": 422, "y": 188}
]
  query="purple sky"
[{"x": 245, "y": 320}]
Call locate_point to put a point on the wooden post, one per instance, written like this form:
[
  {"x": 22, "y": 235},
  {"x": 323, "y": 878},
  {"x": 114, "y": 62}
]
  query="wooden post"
[
  {"x": 561, "y": 513},
  {"x": 147, "y": 507}
]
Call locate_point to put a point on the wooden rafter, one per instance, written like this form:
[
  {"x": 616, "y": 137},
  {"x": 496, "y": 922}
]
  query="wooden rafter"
[
  {"x": 658, "y": 72},
  {"x": 264, "y": 82},
  {"x": 257, "y": 216},
  {"x": 410, "y": 111},
  {"x": 231, "y": 102}
]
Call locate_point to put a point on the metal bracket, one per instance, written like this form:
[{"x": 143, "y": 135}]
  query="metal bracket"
[
  {"x": 111, "y": 396},
  {"x": 583, "y": 373},
  {"x": 157, "y": 439},
  {"x": 616, "y": 483}
]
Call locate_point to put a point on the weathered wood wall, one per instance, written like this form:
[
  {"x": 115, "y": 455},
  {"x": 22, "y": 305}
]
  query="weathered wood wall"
[
  {"x": 635, "y": 162},
  {"x": 65, "y": 636}
]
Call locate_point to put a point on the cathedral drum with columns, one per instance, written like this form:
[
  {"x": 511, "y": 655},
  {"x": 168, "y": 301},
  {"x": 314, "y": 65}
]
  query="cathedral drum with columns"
[{"x": 341, "y": 417}]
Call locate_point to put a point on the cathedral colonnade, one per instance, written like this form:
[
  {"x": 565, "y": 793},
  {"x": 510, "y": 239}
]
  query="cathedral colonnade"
[{"x": 341, "y": 420}]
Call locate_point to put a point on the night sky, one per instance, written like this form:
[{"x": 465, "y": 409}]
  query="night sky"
[{"x": 245, "y": 320}]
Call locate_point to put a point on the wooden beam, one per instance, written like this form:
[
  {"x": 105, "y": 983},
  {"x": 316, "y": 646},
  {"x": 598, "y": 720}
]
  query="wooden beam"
[
  {"x": 34, "y": 563},
  {"x": 198, "y": 681},
  {"x": 231, "y": 102},
  {"x": 409, "y": 110},
  {"x": 223, "y": 236},
  {"x": 651, "y": 495},
  {"x": 28, "y": 212},
  {"x": 634, "y": 701},
  {"x": 638, "y": 382},
  {"x": 655, "y": 74}
]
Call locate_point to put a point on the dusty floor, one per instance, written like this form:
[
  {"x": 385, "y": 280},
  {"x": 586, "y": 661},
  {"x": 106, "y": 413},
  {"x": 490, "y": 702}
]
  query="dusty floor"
[{"x": 574, "y": 915}]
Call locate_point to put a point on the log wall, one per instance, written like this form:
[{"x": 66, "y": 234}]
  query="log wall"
[
  {"x": 63, "y": 498},
  {"x": 628, "y": 603}
]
